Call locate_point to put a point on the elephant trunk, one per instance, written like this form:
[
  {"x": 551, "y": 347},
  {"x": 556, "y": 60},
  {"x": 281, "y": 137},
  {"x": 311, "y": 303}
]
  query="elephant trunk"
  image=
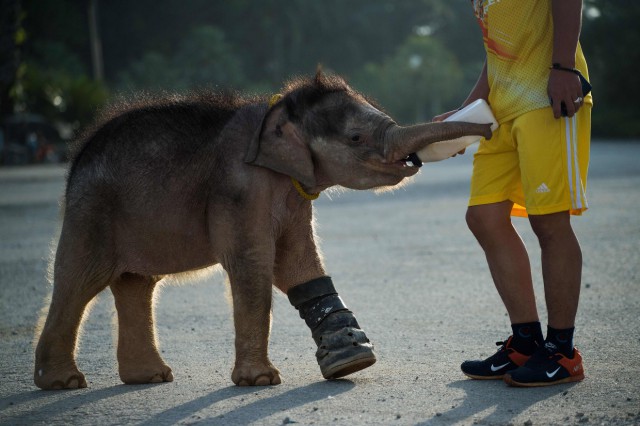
[{"x": 400, "y": 142}]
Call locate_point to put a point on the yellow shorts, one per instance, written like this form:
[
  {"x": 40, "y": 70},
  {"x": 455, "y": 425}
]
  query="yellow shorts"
[{"x": 538, "y": 162}]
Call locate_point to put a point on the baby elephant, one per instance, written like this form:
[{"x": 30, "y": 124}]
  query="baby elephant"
[{"x": 169, "y": 185}]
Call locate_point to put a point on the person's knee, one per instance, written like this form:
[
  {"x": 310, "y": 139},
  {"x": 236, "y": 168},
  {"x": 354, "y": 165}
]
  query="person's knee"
[
  {"x": 474, "y": 220},
  {"x": 550, "y": 226},
  {"x": 486, "y": 219}
]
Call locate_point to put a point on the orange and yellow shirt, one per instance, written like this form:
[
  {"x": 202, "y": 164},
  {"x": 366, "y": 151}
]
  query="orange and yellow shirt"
[{"x": 518, "y": 38}]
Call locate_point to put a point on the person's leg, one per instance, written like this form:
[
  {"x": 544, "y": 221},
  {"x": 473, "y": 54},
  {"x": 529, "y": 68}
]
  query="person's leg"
[
  {"x": 561, "y": 267},
  {"x": 494, "y": 182},
  {"x": 554, "y": 159},
  {"x": 509, "y": 266},
  {"x": 507, "y": 258},
  {"x": 556, "y": 361}
]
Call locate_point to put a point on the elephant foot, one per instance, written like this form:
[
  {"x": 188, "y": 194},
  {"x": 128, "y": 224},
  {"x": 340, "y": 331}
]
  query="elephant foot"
[
  {"x": 343, "y": 348},
  {"x": 142, "y": 371},
  {"x": 50, "y": 378},
  {"x": 260, "y": 374}
]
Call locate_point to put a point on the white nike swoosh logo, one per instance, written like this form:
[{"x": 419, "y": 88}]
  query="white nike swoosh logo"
[
  {"x": 550, "y": 375},
  {"x": 494, "y": 369}
]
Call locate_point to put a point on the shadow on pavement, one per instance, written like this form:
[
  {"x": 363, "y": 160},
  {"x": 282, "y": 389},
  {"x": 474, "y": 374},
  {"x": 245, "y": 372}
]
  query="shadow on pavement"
[
  {"x": 506, "y": 402},
  {"x": 253, "y": 411},
  {"x": 240, "y": 414},
  {"x": 63, "y": 400}
]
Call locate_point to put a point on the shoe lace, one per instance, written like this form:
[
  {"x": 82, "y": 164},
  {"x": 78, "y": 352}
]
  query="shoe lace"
[
  {"x": 503, "y": 347},
  {"x": 504, "y": 343}
]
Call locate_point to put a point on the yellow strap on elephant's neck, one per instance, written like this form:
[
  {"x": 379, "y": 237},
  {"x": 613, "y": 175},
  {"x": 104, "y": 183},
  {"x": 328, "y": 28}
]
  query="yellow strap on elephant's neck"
[
  {"x": 304, "y": 194},
  {"x": 274, "y": 99}
]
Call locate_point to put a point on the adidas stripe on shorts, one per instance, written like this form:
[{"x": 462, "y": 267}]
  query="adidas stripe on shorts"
[{"x": 537, "y": 161}]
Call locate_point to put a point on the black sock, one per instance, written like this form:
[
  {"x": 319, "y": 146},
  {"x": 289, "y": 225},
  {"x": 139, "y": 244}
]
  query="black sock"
[
  {"x": 562, "y": 338},
  {"x": 527, "y": 337}
]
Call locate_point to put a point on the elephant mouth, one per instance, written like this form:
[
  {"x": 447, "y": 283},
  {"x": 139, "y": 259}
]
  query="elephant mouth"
[
  {"x": 412, "y": 160},
  {"x": 405, "y": 167}
]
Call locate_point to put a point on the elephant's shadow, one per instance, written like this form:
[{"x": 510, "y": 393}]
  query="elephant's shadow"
[
  {"x": 237, "y": 414},
  {"x": 255, "y": 410}
]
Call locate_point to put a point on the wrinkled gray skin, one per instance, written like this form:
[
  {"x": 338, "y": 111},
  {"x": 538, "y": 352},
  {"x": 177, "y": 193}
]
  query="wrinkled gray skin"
[{"x": 176, "y": 185}]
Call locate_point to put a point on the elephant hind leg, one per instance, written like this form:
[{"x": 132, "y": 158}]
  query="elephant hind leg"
[
  {"x": 55, "y": 366},
  {"x": 79, "y": 275},
  {"x": 138, "y": 357}
]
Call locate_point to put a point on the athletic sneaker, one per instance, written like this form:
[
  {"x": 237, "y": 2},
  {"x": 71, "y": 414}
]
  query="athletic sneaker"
[
  {"x": 547, "y": 367},
  {"x": 497, "y": 365}
]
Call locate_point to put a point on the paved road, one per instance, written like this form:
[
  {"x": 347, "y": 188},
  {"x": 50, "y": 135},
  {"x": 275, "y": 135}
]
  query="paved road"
[{"x": 408, "y": 267}]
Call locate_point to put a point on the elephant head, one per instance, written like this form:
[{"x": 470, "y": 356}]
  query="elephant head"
[{"x": 323, "y": 133}]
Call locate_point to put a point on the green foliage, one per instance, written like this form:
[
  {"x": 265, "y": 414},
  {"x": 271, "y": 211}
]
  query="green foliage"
[
  {"x": 253, "y": 46},
  {"x": 56, "y": 57},
  {"x": 203, "y": 59},
  {"x": 57, "y": 87},
  {"x": 60, "y": 97},
  {"x": 417, "y": 82},
  {"x": 610, "y": 40},
  {"x": 84, "y": 97},
  {"x": 152, "y": 72}
]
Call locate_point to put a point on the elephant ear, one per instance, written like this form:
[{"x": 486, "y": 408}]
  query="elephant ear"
[{"x": 278, "y": 145}]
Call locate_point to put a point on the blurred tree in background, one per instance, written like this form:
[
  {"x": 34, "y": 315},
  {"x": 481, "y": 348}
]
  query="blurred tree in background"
[
  {"x": 610, "y": 40},
  {"x": 52, "y": 77},
  {"x": 203, "y": 58},
  {"x": 11, "y": 38},
  {"x": 417, "y": 82},
  {"x": 416, "y": 58}
]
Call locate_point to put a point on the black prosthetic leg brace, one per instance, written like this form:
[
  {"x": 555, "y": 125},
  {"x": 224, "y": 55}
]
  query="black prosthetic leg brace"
[{"x": 343, "y": 348}]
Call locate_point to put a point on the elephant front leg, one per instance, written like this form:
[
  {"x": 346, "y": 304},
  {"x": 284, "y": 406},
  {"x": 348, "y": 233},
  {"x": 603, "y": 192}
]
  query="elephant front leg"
[
  {"x": 343, "y": 347},
  {"x": 252, "y": 319},
  {"x": 138, "y": 357}
]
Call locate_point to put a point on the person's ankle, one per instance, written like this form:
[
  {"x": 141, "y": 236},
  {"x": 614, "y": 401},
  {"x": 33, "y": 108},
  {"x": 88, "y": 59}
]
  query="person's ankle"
[
  {"x": 562, "y": 338},
  {"x": 527, "y": 337}
]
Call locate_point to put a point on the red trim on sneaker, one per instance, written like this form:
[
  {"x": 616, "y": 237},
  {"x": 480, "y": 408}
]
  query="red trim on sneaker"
[
  {"x": 574, "y": 365},
  {"x": 517, "y": 358}
]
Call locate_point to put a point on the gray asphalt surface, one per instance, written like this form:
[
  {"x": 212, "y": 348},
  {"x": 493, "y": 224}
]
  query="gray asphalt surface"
[{"x": 408, "y": 267}]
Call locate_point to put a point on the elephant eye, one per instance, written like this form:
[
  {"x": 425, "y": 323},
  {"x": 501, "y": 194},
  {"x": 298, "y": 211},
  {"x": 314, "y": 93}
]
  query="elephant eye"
[
  {"x": 355, "y": 138},
  {"x": 278, "y": 131}
]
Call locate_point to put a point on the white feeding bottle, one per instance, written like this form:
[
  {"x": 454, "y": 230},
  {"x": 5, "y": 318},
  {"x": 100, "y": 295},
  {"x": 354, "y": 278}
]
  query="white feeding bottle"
[{"x": 476, "y": 112}]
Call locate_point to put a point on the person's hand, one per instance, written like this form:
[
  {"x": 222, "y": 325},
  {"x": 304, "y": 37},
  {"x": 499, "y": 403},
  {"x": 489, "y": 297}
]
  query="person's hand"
[
  {"x": 444, "y": 116},
  {"x": 564, "y": 86}
]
